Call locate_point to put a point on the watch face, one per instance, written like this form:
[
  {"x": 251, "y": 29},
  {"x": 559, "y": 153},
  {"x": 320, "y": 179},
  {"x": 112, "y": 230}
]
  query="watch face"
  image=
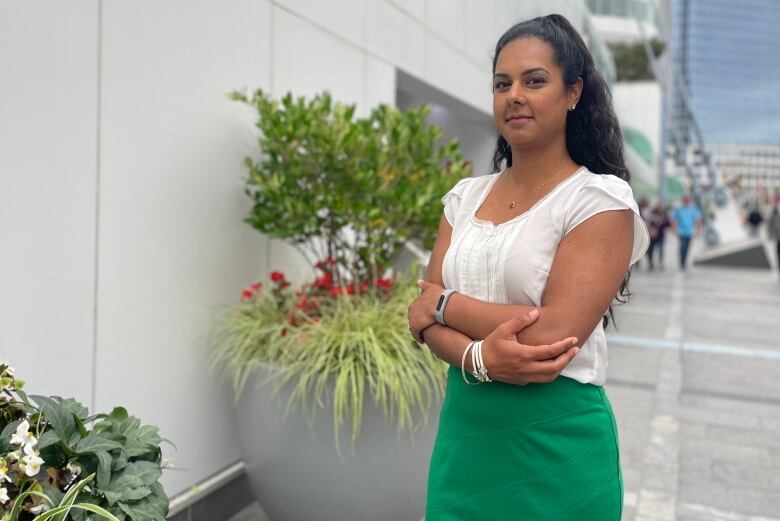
[{"x": 441, "y": 301}]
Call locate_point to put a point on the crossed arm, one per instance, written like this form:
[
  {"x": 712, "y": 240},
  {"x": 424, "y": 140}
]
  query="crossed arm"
[{"x": 587, "y": 271}]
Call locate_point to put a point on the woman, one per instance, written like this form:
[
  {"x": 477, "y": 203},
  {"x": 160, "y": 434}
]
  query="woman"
[{"x": 536, "y": 253}]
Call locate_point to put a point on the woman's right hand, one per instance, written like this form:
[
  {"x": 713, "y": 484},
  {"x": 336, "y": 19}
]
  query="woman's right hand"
[{"x": 509, "y": 361}]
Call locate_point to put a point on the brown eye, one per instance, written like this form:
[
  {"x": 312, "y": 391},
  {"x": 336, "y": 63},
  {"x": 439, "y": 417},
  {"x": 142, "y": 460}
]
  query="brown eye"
[{"x": 501, "y": 84}]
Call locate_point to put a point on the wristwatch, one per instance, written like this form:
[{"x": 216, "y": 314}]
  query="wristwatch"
[{"x": 442, "y": 304}]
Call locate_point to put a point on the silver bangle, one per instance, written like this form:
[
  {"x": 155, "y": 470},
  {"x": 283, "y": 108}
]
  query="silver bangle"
[
  {"x": 480, "y": 371},
  {"x": 463, "y": 363}
]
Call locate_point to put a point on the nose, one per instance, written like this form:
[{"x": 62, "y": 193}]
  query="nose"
[{"x": 516, "y": 95}]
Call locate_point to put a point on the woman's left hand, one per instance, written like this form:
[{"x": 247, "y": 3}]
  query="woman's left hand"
[{"x": 422, "y": 310}]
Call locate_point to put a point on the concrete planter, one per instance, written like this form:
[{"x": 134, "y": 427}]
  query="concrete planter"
[{"x": 297, "y": 474}]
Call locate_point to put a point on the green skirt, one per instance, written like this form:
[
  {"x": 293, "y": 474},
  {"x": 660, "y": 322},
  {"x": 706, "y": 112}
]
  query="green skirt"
[{"x": 537, "y": 452}]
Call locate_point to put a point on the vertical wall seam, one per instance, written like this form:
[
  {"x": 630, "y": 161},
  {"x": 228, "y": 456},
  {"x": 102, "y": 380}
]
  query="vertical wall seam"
[
  {"x": 272, "y": 88},
  {"x": 96, "y": 243}
]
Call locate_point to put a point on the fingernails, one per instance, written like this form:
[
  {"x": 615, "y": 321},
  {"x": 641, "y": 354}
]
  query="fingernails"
[
  {"x": 576, "y": 350},
  {"x": 533, "y": 313},
  {"x": 573, "y": 341}
]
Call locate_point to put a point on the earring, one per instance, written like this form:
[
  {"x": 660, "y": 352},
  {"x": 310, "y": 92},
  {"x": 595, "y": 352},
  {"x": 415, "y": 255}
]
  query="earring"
[{"x": 572, "y": 107}]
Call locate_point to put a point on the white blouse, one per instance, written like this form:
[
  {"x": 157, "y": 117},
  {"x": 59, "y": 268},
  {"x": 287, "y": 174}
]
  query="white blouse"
[{"x": 510, "y": 263}]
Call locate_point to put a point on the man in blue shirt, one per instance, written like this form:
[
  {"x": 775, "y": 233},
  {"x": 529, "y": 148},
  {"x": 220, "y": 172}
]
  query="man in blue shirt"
[{"x": 686, "y": 222}]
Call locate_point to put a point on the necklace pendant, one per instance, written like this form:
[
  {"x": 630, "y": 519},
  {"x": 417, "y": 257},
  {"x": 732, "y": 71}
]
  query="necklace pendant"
[{"x": 512, "y": 204}]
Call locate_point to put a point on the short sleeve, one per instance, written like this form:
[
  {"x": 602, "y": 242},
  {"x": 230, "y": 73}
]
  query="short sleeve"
[
  {"x": 603, "y": 193},
  {"x": 452, "y": 199}
]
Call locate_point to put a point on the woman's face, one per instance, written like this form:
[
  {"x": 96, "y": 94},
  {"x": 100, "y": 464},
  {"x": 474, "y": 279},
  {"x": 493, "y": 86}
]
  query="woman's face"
[{"x": 530, "y": 100}]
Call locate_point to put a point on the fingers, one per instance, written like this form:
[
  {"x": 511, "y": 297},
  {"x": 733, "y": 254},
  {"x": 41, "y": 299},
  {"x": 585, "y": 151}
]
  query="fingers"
[
  {"x": 512, "y": 326},
  {"x": 548, "y": 370},
  {"x": 547, "y": 352}
]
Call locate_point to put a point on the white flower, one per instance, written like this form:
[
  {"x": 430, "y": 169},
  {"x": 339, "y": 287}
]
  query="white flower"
[
  {"x": 73, "y": 468},
  {"x": 166, "y": 463},
  {"x": 23, "y": 436},
  {"x": 31, "y": 463},
  {"x": 15, "y": 455},
  {"x": 4, "y": 472},
  {"x": 40, "y": 508},
  {"x": 4, "y": 495}
]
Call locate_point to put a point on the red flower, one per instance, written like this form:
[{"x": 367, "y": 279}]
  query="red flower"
[
  {"x": 335, "y": 291},
  {"x": 277, "y": 276},
  {"x": 257, "y": 286},
  {"x": 351, "y": 289},
  {"x": 331, "y": 260},
  {"x": 246, "y": 295},
  {"x": 363, "y": 286},
  {"x": 325, "y": 281},
  {"x": 302, "y": 303},
  {"x": 384, "y": 283}
]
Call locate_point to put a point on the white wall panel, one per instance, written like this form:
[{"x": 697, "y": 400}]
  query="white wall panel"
[
  {"x": 415, "y": 8},
  {"x": 395, "y": 36},
  {"x": 457, "y": 75},
  {"x": 447, "y": 18},
  {"x": 48, "y": 104},
  {"x": 172, "y": 244},
  {"x": 482, "y": 29},
  {"x": 343, "y": 18},
  {"x": 379, "y": 84},
  {"x": 308, "y": 60}
]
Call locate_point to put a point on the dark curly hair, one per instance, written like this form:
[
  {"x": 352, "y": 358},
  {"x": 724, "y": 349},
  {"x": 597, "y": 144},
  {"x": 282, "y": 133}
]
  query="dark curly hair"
[{"x": 593, "y": 136}]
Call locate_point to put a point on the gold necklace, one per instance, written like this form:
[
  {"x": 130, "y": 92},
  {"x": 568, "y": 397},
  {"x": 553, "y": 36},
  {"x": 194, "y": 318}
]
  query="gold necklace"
[{"x": 512, "y": 204}]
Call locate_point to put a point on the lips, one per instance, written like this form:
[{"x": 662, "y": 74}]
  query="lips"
[{"x": 518, "y": 117}]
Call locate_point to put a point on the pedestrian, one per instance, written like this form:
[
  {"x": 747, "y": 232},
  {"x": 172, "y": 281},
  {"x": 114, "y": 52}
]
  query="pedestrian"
[
  {"x": 645, "y": 212},
  {"x": 657, "y": 223},
  {"x": 773, "y": 231},
  {"x": 754, "y": 220},
  {"x": 662, "y": 222},
  {"x": 518, "y": 290},
  {"x": 686, "y": 222}
]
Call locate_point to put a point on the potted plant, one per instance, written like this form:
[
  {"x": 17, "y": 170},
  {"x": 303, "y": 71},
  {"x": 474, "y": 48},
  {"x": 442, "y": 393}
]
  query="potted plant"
[
  {"x": 59, "y": 463},
  {"x": 347, "y": 193}
]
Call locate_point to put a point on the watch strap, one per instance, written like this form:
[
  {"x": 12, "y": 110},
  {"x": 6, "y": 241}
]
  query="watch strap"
[{"x": 441, "y": 305}]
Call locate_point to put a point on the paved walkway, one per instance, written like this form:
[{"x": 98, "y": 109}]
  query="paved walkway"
[{"x": 694, "y": 379}]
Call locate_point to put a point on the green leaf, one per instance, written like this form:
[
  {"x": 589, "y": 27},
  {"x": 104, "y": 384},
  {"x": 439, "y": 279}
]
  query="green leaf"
[
  {"x": 152, "y": 507},
  {"x": 80, "y": 426},
  {"x": 58, "y": 416},
  {"x": 21, "y": 498},
  {"x": 105, "y": 514},
  {"x": 104, "y": 468},
  {"x": 70, "y": 497},
  {"x": 95, "y": 443},
  {"x": 75, "y": 408},
  {"x": 119, "y": 413},
  {"x": 48, "y": 438},
  {"x": 135, "y": 475},
  {"x": 142, "y": 440},
  {"x": 5, "y": 436}
]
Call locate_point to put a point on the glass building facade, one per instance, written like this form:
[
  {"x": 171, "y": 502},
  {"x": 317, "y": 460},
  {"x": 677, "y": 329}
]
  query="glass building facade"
[{"x": 728, "y": 55}]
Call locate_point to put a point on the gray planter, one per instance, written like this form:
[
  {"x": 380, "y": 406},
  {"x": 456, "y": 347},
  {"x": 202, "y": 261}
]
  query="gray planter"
[{"x": 297, "y": 474}]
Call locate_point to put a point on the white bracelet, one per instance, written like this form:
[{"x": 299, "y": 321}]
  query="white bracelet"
[
  {"x": 463, "y": 363},
  {"x": 480, "y": 371},
  {"x": 474, "y": 363}
]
